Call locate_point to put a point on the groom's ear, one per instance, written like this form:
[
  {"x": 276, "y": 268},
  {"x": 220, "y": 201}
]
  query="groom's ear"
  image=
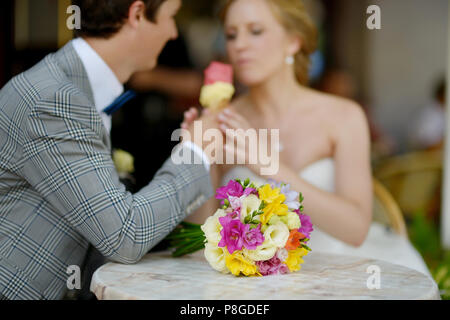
[{"x": 136, "y": 13}]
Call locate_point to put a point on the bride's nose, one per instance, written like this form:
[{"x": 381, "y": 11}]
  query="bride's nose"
[{"x": 241, "y": 41}]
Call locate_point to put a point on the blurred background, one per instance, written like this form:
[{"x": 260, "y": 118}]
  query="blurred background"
[{"x": 398, "y": 75}]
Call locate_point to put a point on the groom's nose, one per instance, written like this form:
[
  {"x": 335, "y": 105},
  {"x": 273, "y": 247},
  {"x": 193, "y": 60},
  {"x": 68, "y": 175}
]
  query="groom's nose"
[{"x": 174, "y": 34}]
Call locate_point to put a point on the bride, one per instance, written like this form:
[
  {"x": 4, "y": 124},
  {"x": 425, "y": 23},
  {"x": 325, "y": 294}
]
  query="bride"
[{"x": 325, "y": 151}]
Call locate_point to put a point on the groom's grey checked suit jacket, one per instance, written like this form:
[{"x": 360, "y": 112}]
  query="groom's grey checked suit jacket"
[{"x": 59, "y": 190}]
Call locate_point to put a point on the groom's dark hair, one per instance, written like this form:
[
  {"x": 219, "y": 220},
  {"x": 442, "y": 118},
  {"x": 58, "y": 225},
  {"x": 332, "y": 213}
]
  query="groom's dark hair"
[{"x": 103, "y": 18}]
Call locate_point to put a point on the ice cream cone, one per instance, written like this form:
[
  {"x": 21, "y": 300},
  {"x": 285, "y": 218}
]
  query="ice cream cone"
[
  {"x": 219, "y": 106},
  {"x": 218, "y": 88}
]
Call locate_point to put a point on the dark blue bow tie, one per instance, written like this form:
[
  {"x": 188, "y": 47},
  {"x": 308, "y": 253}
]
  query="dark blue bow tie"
[{"x": 119, "y": 102}]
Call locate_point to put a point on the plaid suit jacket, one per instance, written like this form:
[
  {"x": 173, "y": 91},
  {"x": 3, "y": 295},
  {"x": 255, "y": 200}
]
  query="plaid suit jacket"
[{"x": 59, "y": 190}]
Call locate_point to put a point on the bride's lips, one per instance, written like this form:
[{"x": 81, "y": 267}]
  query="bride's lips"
[{"x": 243, "y": 61}]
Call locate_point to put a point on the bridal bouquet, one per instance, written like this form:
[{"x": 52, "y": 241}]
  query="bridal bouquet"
[{"x": 258, "y": 231}]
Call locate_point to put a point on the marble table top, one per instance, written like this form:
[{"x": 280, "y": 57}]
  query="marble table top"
[{"x": 323, "y": 276}]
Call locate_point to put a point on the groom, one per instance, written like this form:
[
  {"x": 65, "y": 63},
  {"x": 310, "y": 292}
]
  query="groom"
[{"x": 59, "y": 191}]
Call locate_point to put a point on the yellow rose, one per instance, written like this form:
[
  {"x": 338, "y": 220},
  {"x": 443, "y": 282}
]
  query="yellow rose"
[
  {"x": 294, "y": 259},
  {"x": 274, "y": 203},
  {"x": 276, "y": 208},
  {"x": 269, "y": 195},
  {"x": 237, "y": 263}
]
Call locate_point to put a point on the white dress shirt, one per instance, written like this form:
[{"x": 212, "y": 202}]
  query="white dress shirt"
[
  {"x": 104, "y": 83},
  {"x": 106, "y": 88}
]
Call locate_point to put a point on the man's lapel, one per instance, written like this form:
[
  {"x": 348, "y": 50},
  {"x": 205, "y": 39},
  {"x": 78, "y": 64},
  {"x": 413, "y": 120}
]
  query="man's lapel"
[{"x": 73, "y": 67}]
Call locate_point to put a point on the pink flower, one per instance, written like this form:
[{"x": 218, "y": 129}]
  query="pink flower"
[
  {"x": 253, "y": 237},
  {"x": 233, "y": 189},
  {"x": 232, "y": 233},
  {"x": 283, "y": 269},
  {"x": 248, "y": 191},
  {"x": 233, "y": 214},
  {"x": 272, "y": 266},
  {"x": 307, "y": 226}
]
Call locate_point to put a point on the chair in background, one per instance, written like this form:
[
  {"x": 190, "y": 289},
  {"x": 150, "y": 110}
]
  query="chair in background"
[
  {"x": 386, "y": 209},
  {"x": 414, "y": 180}
]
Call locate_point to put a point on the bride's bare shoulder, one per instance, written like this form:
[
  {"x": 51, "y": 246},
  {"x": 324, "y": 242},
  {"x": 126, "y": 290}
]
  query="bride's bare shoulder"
[
  {"x": 335, "y": 108},
  {"x": 329, "y": 102}
]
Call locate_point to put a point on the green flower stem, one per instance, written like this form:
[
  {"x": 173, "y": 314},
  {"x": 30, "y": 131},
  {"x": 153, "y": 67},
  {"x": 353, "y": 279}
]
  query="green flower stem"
[
  {"x": 192, "y": 225},
  {"x": 192, "y": 250},
  {"x": 189, "y": 248},
  {"x": 185, "y": 235},
  {"x": 182, "y": 242}
]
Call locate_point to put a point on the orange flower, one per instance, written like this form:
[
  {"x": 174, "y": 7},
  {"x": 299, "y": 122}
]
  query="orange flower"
[{"x": 294, "y": 240}]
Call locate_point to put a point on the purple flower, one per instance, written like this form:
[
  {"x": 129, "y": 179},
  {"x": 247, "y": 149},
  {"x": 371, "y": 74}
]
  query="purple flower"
[
  {"x": 307, "y": 226},
  {"x": 249, "y": 191},
  {"x": 232, "y": 233},
  {"x": 253, "y": 238},
  {"x": 272, "y": 266},
  {"x": 232, "y": 191},
  {"x": 233, "y": 214},
  {"x": 291, "y": 195},
  {"x": 233, "y": 188},
  {"x": 283, "y": 269}
]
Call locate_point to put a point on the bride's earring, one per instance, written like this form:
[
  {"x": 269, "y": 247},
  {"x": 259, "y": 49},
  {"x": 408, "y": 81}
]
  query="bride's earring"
[{"x": 290, "y": 60}]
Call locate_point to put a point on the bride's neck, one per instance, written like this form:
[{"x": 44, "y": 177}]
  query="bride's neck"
[{"x": 275, "y": 95}]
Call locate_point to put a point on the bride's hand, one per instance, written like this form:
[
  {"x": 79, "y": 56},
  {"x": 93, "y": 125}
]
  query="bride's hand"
[
  {"x": 192, "y": 115},
  {"x": 229, "y": 123},
  {"x": 229, "y": 119},
  {"x": 189, "y": 117}
]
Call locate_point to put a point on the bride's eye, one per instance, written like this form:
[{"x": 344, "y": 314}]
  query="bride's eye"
[
  {"x": 257, "y": 32},
  {"x": 230, "y": 36}
]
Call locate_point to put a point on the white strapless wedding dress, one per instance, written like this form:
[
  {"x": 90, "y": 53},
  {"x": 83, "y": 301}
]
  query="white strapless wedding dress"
[{"x": 381, "y": 243}]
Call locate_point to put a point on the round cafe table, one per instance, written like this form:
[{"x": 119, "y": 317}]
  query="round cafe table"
[{"x": 322, "y": 276}]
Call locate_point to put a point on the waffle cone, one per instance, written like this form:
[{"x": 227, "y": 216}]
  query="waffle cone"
[{"x": 220, "y": 105}]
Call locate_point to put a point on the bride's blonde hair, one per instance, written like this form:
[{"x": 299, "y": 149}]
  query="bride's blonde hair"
[{"x": 295, "y": 19}]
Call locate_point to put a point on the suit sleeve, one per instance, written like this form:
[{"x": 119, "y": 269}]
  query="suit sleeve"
[{"x": 67, "y": 162}]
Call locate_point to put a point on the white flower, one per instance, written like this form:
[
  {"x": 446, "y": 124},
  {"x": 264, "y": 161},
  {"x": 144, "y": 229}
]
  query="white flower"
[
  {"x": 263, "y": 252},
  {"x": 293, "y": 221},
  {"x": 216, "y": 257},
  {"x": 278, "y": 234},
  {"x": 275, "y": 237},
  {"x": 220, "y": 213},
  {"x": 211, "y": 228},
  {"x": 249, "y": 204}
]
